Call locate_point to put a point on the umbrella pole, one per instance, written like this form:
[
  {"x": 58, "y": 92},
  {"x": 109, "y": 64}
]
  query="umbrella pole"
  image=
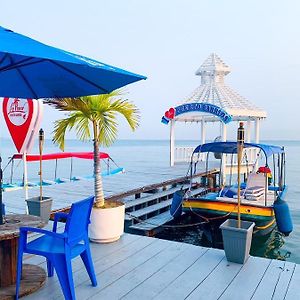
[
  {"x": 240, "y": 144},
  {"x": 1, "y": 181},
  {"x": 41, "y": 144}
]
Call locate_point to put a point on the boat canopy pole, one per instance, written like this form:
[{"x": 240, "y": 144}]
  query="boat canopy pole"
[
  {"x": 230, "y": 176},
  {"x": 284, "y": 167},
  {"x": 266, "y": 188},
  {"x": 274, "y": 176},
  {"x": 191, "y": 172},
  {"x": 278, "y": 166},
  {"x": 220, "y": 176},
  {"x": 281, "y": 172},
  {"x": 257, "y": 157},
  {"x": 206, "y": 169}
]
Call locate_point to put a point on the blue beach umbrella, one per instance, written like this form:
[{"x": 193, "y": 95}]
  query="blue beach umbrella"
[{"x": 30, "y": 69}]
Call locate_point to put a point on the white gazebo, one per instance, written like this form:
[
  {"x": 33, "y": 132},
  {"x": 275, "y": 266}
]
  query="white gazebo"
[{"x": 212, "y": 101}]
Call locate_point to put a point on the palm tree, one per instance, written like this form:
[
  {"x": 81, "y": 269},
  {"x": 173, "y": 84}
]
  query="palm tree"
[{"x": 94, "y": 117}]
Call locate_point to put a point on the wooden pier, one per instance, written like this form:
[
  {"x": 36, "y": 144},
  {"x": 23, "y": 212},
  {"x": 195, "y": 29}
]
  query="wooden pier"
[
  {"x": 123, "y": 187},
  {"x": 139, "y": 267},
  {"x": 147, "y": 202}
]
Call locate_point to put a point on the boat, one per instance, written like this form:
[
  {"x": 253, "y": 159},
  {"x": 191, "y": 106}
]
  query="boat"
[
  {"x": 262, "y": 191},
  {"x": 111, "y": 168}
]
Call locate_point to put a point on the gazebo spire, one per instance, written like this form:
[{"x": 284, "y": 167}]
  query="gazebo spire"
[{"x": 213, "y": 70}]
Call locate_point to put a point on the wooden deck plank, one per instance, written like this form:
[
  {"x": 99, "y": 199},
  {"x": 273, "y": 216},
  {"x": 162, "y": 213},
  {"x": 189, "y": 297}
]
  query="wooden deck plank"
[
  {"x": 183, "y": 285},
  {"x": 283, "y": 282},
  {"x": 247, "y": 279},
  {"x": 138, "y": 267},
  {"x": 167, "y": 274},
  {"x": 214, "y": 285},
  {"x": 116, "y": 271},
  {"x": 129, "y": 281},
  {"x": 269, "y": 281},
  {"x": 106, "y": 249},
  {"x": 101, "y": 261},
  {"x": 293, "y": 288}
]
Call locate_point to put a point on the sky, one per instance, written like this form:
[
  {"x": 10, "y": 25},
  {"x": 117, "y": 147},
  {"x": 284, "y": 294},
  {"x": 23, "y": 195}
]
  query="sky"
[{"x": 167, "y": 41}]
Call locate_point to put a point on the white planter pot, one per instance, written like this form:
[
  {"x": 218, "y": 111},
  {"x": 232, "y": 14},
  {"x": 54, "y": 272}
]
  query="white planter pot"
[{"x": 107, "y": 224}]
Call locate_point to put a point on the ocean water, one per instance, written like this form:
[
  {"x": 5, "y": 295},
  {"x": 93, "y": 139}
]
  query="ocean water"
[{"x": 151, "y": 156}]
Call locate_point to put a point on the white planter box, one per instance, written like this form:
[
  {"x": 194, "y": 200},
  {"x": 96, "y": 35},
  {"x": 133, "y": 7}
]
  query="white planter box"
[{"x": 107, "y": 224}]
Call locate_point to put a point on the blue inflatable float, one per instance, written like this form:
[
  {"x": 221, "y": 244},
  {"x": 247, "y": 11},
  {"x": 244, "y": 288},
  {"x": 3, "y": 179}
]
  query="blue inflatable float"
[
  {"x": 283, "y": 217},
  {"x": 176, "y": 206}
]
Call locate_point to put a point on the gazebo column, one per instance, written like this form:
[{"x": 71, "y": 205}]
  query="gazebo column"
[
  {"x": 248, "y": 132},
  {"x": 251, "y": 155},
  {"x": 203, "y": 132},
  {"x": 172, "y": 143},
  {"x": 223, "y": 132},
  {"x": 257, "y": 129}
]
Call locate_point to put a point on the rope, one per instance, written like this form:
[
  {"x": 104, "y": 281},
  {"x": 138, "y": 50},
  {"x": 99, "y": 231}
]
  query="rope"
[
  {"x": 166, "y": 226},
  {"x": 206, "y": 220},
  {"x": 257, "y": 157},
  {"x": 247, "y": 161},
  {"x": 212, "y": 218}
]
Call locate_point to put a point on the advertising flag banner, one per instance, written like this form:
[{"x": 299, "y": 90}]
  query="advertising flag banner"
[{"x": 22, "y": 118}]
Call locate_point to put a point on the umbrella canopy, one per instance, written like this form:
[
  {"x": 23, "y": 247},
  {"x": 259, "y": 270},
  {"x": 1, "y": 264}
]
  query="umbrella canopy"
[{"x": 30, "y": 69}]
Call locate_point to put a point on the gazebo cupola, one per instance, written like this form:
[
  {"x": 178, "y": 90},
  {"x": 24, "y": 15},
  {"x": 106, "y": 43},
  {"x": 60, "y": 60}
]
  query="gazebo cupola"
[
  {"x": 212, "y": 101},
  {"x": 213, "y": 70}
]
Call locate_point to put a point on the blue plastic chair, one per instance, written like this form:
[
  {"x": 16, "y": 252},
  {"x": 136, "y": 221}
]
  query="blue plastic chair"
[{"x": 60, "y": 248}]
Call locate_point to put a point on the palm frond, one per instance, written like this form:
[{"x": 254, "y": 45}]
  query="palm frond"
[
  {"x": 67, "y": 124},
  {"x": 101, "y": 111}
]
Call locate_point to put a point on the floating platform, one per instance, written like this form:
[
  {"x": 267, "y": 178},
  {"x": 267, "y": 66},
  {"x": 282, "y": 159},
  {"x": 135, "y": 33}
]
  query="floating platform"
[{"x": 139, "y": 267}]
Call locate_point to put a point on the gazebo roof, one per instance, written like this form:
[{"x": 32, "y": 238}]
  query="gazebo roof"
[{"x": 214, "y": 91}]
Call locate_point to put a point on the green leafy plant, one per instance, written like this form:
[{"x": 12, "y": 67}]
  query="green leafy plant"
[{"x": 94, "y": 118}]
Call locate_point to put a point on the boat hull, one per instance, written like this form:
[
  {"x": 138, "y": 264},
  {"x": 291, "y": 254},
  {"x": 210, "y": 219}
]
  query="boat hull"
[{"x": 263, "y": 217}]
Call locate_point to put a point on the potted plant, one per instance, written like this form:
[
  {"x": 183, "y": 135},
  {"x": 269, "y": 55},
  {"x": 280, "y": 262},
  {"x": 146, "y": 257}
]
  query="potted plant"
[
  {"x": 41, "y": 205},
  {"x": 94, "y": 117},
  {"x": 237, "y": 234}
]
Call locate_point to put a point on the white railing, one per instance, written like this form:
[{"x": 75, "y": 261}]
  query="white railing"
[
  {"x": 183, "y": 155},
  {"x": 249, "y": 159}
]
